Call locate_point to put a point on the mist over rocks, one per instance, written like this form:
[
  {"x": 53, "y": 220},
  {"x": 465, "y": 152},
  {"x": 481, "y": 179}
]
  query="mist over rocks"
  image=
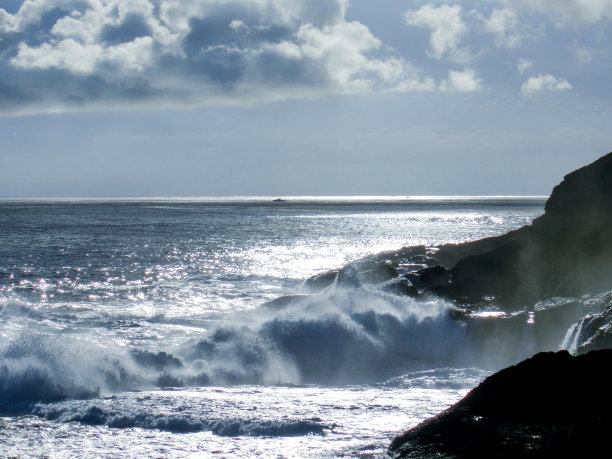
[
  {"x": 543, "y": 276},
  {"x": 542, "y": 279},
  {"x": 592, "y": 332},
  {"x": 565, "y": 252},
  {"x": 543, "y": 287},
  {"x": 551, "y": 405}
]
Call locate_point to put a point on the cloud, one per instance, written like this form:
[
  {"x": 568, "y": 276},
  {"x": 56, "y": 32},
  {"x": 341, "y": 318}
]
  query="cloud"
[
  {"x": 446, "y": 24},
  {"x": 505, "y": 25},
  {"x": 523, "y": 65},
  {"x": 450, "y": 25},
  {"x": 535, "y": 85},
  {"x": 570, "y": 11},
  {"x": 583, "y": 54},
  {"x": 464, "y": 81},
  {"x": 82, "y": 54}
]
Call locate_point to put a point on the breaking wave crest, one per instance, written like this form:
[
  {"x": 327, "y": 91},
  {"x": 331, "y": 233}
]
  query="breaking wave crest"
[
  {"x": 345, "y": 336},
  {"x": 341, "y": 337},
  {"x": 42, "y": 368}
]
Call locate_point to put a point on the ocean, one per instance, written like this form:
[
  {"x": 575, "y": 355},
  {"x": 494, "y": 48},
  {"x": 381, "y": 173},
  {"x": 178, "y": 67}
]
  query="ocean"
[{"x": 135, "y": 327}]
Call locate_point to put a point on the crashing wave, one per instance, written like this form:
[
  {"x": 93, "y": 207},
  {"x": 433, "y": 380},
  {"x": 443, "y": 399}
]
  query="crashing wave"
[{"x": 343, "y": 336}]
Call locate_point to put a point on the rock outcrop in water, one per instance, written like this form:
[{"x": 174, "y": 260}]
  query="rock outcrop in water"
[
  {"x": 565, "y": 252},
  {"x": 593, "y": 332},
  {"x": 551, "y": 405}
]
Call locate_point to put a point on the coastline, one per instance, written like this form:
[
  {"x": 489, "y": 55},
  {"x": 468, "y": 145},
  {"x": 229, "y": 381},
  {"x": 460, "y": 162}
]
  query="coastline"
[{"x": 550, "y": 404}]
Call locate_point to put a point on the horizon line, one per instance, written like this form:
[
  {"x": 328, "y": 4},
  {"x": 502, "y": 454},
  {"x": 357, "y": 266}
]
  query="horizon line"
[{"x": 282, "y": 198}]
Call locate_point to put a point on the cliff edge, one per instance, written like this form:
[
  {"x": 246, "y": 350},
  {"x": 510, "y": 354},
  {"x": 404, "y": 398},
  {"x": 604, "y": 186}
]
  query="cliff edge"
[{"x": 565, "y": 252}]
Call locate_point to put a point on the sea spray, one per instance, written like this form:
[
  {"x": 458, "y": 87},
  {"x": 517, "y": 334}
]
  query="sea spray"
[
  {"x": 344, "y": 336},
  {"x": 38, "y": 367},
  {"x": 145, "y": 303}
]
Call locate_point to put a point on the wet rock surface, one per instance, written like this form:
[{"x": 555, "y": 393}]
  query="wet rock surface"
[
  {"x": 551, "y": 405},
  {"x": 565, "y": 252},
  {"x": 593, "y": 332}
]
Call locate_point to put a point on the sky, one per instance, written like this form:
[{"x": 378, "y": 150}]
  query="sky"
[{"x": 312, "y": 97}]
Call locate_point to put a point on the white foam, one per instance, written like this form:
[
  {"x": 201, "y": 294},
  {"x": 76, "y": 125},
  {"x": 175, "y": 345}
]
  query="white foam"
[{"x": 345, "y": 336}]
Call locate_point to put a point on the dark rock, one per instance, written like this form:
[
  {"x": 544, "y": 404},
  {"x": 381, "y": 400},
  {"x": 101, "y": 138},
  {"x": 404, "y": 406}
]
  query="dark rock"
[
  {"x": 593, "y": 332},
  {"x": 551, "y": 405},
  {"x": 412, "y": 277},
  {"x": 168, "y": 380},
  {"x": 579, "y": 201},
  {"x": 400, "y": 286},
  {"x": 320, "y": 282},
  {"x": 433, "y": 277},
  {"x": 371, "y": 270},
  {"x": 348, "y": 277},
  {"x": 601, "y": 327},
  {"x": 498, "y": 272},
  {"x": 366, "y": 271},
  {"x": 565, "y": 252},
  {"x": 157, "y": 361},
  {"x": 376, "y": 272},
  {"x": 282, "y": 302},
  {"x": 437, "y": 291}
]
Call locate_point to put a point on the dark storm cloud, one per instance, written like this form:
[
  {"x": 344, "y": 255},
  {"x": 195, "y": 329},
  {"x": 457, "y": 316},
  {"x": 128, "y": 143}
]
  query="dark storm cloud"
[{"x": 66, "y": 54}]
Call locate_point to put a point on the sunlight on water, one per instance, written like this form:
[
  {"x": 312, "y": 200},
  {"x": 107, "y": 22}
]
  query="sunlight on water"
[
  {"x": 243, "y": 421},
  {"x": 133, "y": 328}
]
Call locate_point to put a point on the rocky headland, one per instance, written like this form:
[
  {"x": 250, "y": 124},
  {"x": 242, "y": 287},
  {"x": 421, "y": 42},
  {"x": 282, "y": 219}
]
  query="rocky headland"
[
  {"x": 565, "y": 252},
  {"x": 551, "y": 275},
  {"x": 558, "y": 271},
  {"x": 542, "y": 287}
]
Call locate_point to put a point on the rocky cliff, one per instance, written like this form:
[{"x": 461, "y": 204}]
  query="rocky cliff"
[
  {"x": 553, "y": 404},
  {"x": 565, "y": 252}
]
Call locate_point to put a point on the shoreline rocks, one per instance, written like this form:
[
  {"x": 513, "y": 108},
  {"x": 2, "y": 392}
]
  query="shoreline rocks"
[
  {"x": 551, "y": 405},
  {"x": 565, "y": 252}
]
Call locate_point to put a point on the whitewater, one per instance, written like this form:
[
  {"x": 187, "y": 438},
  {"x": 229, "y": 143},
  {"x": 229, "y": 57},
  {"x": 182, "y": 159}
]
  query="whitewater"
[{"x": 143, "y": 327}]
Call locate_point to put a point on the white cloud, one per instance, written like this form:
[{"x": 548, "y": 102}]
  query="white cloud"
[
  {"x": 570, "y": 11},
  {"x": 66, "y": 54},
  {"x": 505, "y": 25},
  {"x": 84, "y": 59},
  {"x": 341, "y": 49},
  {"x": 535, "y": 85},
  {"x": 446, "y": 24},
  {"x": 59, "y": 54},
  {"x": 523, "y": 65},
  {"x": 7, "y": 21},
  {"x": 464, "y": 81}
]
